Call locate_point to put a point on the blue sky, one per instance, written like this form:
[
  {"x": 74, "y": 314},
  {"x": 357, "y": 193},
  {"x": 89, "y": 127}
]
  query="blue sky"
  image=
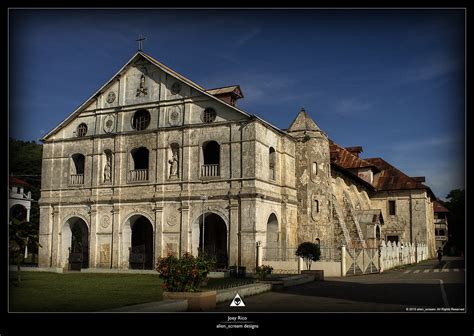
[{"x": 391, "y": 81}]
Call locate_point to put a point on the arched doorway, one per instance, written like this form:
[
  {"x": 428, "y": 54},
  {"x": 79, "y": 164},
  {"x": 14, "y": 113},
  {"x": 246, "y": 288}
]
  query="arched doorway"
[
  {"x": 213, "y": 238},
  {"x": 75, "y": 243},
  {"x": 19, "y": 212},
  {"x": 140, "y": 252},
  {"x": 272, "y": 243}
]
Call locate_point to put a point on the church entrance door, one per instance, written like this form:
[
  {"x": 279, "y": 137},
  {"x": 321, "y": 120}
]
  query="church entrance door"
[
  {"x": 141, "y": 250},
  {"x": 213, "y": 238}
]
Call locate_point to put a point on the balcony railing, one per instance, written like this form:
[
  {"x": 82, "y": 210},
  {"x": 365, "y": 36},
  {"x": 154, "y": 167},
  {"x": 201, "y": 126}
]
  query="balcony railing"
[
  {"x": 77, "y": 179},
  {"x": 138, "y": 175},
  {"x": 441, "y": 238},
  {"x": 210, "y": 170}
]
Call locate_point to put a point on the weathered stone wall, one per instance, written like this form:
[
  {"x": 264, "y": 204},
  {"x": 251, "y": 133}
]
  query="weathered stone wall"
[
  {"x": 422, "y": 227},
  {"x": 172, "y": 204}
]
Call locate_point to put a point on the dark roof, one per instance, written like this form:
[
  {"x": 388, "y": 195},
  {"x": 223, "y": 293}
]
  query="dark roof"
[
  {"x": 346, "y": 159},
  {"x": 16, "y": 182},
  {"x": 439, "y": 207},
  {"x": 391, "y": 178}
]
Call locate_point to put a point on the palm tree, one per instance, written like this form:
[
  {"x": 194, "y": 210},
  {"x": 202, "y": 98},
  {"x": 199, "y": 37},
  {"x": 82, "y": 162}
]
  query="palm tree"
[{"x": 22, "y": 233}]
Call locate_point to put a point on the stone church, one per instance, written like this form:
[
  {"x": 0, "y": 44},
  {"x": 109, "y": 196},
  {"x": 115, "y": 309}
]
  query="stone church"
[{"x": 153, "y": 163}]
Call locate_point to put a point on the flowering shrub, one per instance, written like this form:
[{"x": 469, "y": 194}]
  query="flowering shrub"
[
  {"x": 262, "y": 271},
  {"x": 184, "y": 274}
]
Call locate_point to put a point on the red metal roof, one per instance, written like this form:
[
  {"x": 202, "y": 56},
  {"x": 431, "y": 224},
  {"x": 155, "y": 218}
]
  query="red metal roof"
[
  {"x": 390, "y": 178},
  {"x": 16, "y": 182},
  {"x": 346, "y": 159},
  {"x": 439, "y": 207}
]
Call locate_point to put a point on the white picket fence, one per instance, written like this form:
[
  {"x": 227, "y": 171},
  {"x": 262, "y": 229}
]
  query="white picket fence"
[{"x": 395, "y": 254}]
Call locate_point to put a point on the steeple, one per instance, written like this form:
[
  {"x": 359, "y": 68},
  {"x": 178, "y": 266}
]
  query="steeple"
[{"x": 303, "y": 122}]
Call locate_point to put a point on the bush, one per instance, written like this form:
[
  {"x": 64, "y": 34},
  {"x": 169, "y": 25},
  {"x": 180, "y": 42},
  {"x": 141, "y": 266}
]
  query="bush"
[
  {"x": 262, "y": 271},
  {"x": 184, "y": 274},
  {"x": 309, "y": 252}
]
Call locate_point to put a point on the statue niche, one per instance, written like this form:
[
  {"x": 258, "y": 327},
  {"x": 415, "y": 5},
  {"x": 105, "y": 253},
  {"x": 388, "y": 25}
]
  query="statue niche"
[
  {"x": 173, "y": 160},
  {"x": 108, "y": 167}
]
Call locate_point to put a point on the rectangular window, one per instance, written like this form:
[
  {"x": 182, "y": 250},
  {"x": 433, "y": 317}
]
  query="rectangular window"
[
  {"x": 315, "y": 169},
  {"x": 391, "y": 208},
  {"x": 393, "y": 239}
]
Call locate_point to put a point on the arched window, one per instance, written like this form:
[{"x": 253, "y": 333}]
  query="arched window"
[
  {"x": 81, "y": 130},
  {"x": 77, "y": 168},
  {"x": 139, "y": 164},
  {"x": 141, "y": 120},
  {"x": 377, "y": 232},
  {"x": 209, "y": 115},
  {"x": 271, "y": 163},
  {"x": 272, "y": 246},
  {"x": 211, "y": 159}
]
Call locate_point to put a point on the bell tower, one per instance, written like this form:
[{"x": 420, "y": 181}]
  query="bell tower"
[{"x": 313, "y": 180}]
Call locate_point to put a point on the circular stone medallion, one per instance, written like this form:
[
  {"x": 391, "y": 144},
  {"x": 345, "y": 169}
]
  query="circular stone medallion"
[{"x": 109, "y": 123}]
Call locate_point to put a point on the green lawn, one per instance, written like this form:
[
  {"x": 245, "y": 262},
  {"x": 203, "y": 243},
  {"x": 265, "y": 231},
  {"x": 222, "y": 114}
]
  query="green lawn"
[{"x": 76, "y": 292}]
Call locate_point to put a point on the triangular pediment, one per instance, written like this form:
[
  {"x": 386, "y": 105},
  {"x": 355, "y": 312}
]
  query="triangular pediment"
[{"x": 143, "y": 80}]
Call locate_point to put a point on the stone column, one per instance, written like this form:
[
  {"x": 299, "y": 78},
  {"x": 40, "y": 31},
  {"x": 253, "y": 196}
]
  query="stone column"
[
  {"x": 158, "y": 210},
  {"x": 55, "y": 240},
  {"x": 93, "y": 236},
  {"x": 343, "y": 260},
  {"x": 233, "y": 233},
  {"x": 115, "y": 248},
  {"x": 184, "y": 229},
  {"x": 259, "y": 254}
]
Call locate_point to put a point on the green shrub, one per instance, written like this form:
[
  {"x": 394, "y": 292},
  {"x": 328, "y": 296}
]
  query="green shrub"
[{"x": 183, "y": 274}]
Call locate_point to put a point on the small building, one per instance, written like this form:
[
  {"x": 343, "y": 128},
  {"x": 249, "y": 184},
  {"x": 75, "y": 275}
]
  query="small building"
[
  {"x": 441, "y": 224},
  {"x": 19, "y": 201}
]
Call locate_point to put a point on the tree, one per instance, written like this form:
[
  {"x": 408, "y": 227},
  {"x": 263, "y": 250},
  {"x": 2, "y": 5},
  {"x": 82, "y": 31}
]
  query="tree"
[
  {"x": 21, "y": 233},
  {"x": 456, "y": 218},
  {"x": 309, "y": 252},
  {"x": 25, "y": 159}
]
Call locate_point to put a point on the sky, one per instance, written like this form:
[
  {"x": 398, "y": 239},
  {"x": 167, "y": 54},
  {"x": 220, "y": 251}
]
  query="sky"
[{"x": 389, "y": 80}]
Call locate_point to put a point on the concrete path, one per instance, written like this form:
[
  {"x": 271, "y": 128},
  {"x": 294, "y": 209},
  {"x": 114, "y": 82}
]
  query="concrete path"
[{"x": 393, "y": 290}]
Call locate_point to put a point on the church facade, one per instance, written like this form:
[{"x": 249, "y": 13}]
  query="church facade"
[{"x": 154, "y": 164}]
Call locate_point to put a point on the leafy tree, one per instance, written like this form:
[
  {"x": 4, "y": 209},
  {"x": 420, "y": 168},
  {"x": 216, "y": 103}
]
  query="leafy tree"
[
  {"x": 21, "y": 234},
  {"x": 309, "y": 252},
  {"x": 456, "y": 218},
  {"x": 25, "y": 158}
]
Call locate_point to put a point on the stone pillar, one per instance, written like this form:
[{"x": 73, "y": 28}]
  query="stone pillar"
[
  {"x": 259, "y": 254},
  {"x": 233, "y": 233},
  {"x": 55, "y": 240},
  {"x": 158, "y": 210},
  {"x": 300, "y": 265},
  {"x": 343, "y": 260},
  {"x": 116, "y": 254},
  {"x": 184, "y": 229},
  {"x": 93, "y": 236}
]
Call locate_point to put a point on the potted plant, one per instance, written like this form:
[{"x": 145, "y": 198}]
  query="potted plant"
[
  {"x": 183, "y": 278},
  {"x": 310, "y": 252},
  {"x": 263, "y": 271}
]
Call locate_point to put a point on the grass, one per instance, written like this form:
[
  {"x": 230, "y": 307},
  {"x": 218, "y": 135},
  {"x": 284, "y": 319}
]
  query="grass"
[{"x": 76, "y": 292}]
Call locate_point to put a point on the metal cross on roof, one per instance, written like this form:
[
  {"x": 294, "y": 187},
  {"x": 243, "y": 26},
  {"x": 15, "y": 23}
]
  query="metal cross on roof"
[{"x": 140, "y": 42}]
